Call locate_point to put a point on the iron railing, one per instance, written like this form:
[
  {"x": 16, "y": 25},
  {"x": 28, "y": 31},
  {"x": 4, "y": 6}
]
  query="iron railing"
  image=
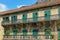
[
  {"x": 28, "y": 37},
  {"x": 29, "y": 20}
]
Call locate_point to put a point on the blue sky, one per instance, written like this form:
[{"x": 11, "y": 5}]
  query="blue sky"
[{"x": 14, "y": 4}]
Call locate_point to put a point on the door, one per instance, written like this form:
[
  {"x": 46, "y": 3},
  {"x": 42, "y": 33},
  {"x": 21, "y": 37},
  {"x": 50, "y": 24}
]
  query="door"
[{"x": 47, "y": 15}]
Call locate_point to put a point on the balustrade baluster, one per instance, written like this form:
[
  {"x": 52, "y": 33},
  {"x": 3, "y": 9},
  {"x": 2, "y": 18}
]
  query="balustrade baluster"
[{"x": 41, "y": 37}]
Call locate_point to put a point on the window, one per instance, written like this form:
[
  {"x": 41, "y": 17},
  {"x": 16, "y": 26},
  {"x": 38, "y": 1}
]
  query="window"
[
  {"x": 5, "y": 18},
  {"x": 47, "y": 14},
  {"x": 24, "y": 17},
  {"x": 35, "y": 16},
  {"x": 35, "y": 32},
  {"x": 24, "y": 32},
  {"x": 13, "y": 18},
  {"x": 15, "y": 31}
]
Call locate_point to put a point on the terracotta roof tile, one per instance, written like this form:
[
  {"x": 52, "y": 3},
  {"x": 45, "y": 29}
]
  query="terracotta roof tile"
[{"x": 53, "y": 2}]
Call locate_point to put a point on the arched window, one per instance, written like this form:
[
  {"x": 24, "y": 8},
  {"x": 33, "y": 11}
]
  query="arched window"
[
  {"x": 35, "y": 32},
  {"x": 24, "y": 32},
  {"x": 15, "y": 31}
]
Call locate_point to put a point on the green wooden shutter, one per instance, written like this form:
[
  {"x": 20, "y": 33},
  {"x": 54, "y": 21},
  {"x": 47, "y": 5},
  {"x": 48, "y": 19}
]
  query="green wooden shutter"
[
  {"x": 24, "y": 18},
  {"x": 35, "y": 16},
  {"x": 59, "y": 13},
  {"x": 47, "y": 15},
  {"x": 59, "y": 33}
]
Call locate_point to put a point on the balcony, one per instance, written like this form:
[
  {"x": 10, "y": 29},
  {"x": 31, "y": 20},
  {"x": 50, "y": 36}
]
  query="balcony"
[
  {"x": 29, "y": 20},
  {"x": 29, "y": 37}
]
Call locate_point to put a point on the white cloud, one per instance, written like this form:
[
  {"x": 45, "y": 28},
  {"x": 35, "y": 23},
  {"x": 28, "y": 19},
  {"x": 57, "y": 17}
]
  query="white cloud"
[
  {"x": 3, "y": 7},
  {"x": 18, "y": 6}
]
